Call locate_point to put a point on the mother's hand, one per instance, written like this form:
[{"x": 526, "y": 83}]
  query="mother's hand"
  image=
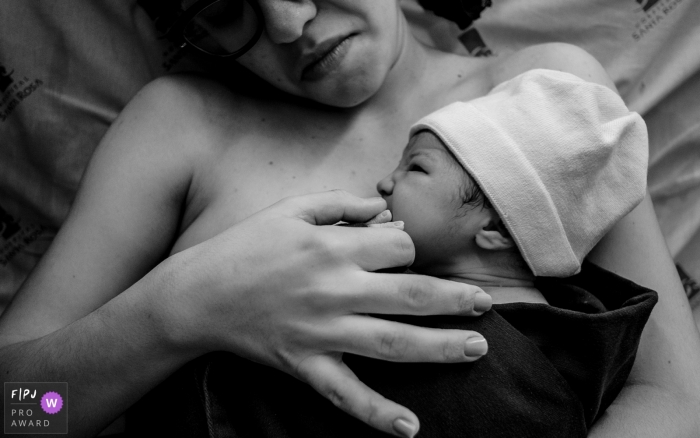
[{"x": 284, "y": 289}]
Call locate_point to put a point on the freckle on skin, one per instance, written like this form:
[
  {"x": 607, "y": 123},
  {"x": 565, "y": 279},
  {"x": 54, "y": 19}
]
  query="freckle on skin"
[{"x": 271, "y": 163}]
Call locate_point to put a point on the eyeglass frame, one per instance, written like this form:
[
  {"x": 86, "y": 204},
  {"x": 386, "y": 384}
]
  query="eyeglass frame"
[{"x": 178, "y": 27}]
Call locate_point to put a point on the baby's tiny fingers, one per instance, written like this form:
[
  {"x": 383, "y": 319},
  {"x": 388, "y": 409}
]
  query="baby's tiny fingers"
[
  {"x": 381, "y": 218},
  {"x": 398, "y": 225}
]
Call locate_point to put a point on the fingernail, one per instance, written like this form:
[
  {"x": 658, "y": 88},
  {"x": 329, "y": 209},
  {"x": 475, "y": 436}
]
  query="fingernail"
[
  {"x": 482, "y": 301},
  {"x": 476, "y": 346},
  {"x": 397, "y": 224},
  {"x": 404, "y": 428},
  {"x": 386, "y": 214}
]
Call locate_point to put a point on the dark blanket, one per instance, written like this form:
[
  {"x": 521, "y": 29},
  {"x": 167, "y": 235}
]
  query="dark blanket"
[{"x": 551, "y": 370}]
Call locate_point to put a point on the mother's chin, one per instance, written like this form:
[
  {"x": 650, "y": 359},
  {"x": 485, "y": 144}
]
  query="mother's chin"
[{"x": 353, "y": 80}]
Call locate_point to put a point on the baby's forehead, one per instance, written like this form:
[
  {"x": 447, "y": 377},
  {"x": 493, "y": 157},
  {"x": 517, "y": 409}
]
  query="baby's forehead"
[{"x": 425, "y": 141}]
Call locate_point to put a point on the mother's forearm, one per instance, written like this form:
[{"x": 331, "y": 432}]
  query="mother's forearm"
[
  {"x": 648, "y": 411},
  {"x": 662, "y": 396},
  {"x": 109, "y": 358}
]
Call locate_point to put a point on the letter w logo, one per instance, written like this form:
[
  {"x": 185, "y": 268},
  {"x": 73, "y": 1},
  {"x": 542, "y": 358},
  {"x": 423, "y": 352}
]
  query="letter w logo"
[{"x": 51, "y": 402}]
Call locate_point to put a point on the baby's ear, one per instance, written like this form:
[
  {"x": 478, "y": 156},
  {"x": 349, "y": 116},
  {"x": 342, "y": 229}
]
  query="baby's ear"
[{"x": 494, "y": 236}]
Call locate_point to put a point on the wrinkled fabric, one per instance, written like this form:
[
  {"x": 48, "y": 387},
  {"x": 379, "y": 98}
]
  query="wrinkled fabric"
[{"x": 66, "y": 71}]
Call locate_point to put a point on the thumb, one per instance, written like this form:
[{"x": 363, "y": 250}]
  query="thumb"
[{"x": 327, "y": 208}]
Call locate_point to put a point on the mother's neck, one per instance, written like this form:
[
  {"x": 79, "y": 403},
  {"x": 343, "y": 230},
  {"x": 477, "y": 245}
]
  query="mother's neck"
[{"x": 417, "y": 76}]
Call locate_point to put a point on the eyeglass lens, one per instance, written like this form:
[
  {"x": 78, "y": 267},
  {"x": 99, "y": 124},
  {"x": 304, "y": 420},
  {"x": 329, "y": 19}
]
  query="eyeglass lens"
[{"x": 223, "y": 27}]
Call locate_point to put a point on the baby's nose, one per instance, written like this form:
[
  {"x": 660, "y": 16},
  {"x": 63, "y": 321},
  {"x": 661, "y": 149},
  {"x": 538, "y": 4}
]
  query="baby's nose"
[{"x": 386, "y": 186}]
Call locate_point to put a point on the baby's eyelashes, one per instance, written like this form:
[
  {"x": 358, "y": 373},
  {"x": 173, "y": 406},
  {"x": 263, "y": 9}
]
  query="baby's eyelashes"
[{"x": 416, "y": 168}]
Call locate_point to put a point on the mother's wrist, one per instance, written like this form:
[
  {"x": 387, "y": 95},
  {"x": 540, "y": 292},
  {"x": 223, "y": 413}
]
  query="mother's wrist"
[{"x": 170, "y": 300}]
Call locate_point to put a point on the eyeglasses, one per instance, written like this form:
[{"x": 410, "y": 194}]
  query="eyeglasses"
[{"x": 221, "y": 28}]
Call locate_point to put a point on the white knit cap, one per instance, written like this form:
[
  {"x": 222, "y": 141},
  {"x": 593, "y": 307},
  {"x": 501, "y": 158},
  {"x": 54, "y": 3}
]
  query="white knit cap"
[{"x": 560, "y": 159}]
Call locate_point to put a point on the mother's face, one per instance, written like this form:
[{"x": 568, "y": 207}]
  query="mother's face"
[{"x": 336, "y": 52}]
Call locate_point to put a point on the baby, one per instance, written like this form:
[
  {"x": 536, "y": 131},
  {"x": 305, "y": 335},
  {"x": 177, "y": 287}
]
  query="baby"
[
  {"x": 509, "y": 192},
  {"x": 520, "y": 183}
]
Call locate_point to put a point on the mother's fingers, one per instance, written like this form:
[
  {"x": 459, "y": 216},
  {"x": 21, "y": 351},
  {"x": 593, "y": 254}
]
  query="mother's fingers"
[
  {"x": 398, "y": 342},
  {"x": 335, "y": 381},
  {"x": 374, "y": 247},
  {"x": 327, "y": 208},
  {"x": 411, "y": 294}
]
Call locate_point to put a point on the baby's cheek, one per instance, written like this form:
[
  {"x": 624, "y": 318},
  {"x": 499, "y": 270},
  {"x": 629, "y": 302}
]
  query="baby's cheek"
[
  {"x": 424, "y": 260},
  {"x": 422, "y": 241}
]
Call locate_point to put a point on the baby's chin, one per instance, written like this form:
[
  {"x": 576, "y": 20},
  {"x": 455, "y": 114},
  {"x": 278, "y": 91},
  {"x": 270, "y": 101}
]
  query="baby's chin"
[
  {"x": 436, "y": 264},
  {"x": 423, "y": 267}
]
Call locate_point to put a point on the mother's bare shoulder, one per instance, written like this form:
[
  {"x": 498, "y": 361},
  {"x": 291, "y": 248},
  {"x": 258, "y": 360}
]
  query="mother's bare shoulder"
[
  {"x": 553, "y": 56},
  {"x": 185, "y": 106}
]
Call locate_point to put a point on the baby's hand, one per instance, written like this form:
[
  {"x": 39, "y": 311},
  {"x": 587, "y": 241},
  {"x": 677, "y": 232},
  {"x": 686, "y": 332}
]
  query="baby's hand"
[{"x": 382, "y": 220}]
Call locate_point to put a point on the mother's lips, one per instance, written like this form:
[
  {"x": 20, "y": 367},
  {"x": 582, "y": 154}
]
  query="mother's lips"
[{"x": 324, "y": 58}]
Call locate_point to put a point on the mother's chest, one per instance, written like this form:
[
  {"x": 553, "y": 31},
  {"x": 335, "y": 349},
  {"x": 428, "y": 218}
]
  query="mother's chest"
[{"x": 249, "y": 176}]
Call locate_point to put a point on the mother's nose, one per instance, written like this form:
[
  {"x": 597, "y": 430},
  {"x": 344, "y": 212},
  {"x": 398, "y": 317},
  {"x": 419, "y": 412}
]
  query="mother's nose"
[
  {"x": 386, "y": 186},
  {"x": 285, "y": 19}
]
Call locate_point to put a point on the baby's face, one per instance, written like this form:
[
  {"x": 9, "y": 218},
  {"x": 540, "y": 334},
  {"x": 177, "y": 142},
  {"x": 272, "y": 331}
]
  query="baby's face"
[{"x": 425, "y": 192}]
